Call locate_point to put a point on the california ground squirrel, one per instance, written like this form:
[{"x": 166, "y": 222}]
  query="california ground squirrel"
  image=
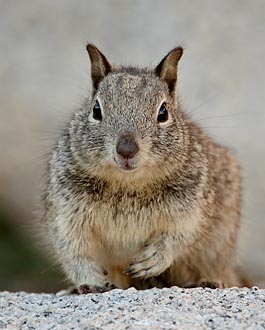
[{"x": 137, "y": 194}]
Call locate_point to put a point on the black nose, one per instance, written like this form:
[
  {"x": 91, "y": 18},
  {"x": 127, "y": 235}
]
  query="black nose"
[{"x": 127, "y": 146}]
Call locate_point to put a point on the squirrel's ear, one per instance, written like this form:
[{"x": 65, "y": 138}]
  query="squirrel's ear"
[
  {"x": 167, "y": 69},
  {"x": 100, "y": 66}
]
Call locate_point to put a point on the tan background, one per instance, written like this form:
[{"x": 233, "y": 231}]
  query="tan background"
[{"x": 44, "y": 74}]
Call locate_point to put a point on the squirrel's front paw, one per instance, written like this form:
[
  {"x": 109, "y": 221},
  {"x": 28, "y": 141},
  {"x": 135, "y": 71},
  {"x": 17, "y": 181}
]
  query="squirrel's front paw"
[
  {"x": 85, "y": 288},
  {"x": 155, "y": 258}
]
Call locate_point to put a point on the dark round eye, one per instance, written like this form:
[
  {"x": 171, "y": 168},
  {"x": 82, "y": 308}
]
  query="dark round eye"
[
  {"x": 162, "y": 115},
  {"x": 97, "y": 115}
]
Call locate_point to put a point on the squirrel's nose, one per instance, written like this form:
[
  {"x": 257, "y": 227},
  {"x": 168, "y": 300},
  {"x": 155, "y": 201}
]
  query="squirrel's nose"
[{"x": 127, "y": 146}]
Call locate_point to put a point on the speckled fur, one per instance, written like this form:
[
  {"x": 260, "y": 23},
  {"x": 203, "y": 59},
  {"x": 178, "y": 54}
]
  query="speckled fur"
[{"x": 172, "y": 221}]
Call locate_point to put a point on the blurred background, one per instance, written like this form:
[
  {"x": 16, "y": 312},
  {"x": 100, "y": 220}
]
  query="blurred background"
[{"x": 44, "y": 75}]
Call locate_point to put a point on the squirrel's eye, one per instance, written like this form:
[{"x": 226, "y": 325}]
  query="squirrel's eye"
[
  {"x": 97, "y": 115},
  {"x": 162, "y": 115}
]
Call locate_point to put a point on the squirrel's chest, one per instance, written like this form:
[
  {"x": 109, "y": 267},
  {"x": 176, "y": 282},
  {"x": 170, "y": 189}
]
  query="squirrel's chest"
[
  {"x": 118, "y": 228},
  {"x": 125, "y": 218},
  {"x": 112, "y": 231}
]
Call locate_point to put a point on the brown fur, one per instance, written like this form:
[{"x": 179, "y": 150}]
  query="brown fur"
[{"x": 174, "y": 220}]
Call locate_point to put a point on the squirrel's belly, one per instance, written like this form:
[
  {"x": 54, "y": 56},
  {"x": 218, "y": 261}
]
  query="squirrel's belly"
[
  {"x": 114, "y": 252},
  {"x": 114, "y": 244},
  {"x": 117, "y": 248},
  {"x": 114, "y": 238}
]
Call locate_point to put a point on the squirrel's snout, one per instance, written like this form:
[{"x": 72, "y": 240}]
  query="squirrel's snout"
[{"x": 127, "y": 146}]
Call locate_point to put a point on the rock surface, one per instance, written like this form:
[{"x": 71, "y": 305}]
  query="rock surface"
[{"x": 172, "y": 308}]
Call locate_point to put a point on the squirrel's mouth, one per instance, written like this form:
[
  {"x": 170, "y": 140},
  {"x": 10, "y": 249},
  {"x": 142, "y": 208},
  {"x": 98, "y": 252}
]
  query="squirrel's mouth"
[{"x": 126, "y": 164}]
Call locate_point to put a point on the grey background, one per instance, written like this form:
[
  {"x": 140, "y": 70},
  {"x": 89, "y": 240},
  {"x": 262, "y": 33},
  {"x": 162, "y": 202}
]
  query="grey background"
[{"x": 44, "y": 75}]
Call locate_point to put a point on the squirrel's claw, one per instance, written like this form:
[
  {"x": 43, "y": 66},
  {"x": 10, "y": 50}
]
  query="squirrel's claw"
[
  {"x": 85, "y": 289},
  {"x": 151, "y": 261}
]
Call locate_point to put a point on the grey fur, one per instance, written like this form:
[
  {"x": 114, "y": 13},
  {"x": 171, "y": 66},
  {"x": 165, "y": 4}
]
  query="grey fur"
[{"x": 172, "y": 219}]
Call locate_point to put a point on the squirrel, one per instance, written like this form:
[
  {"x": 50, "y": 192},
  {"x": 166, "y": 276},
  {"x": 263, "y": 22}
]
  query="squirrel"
[{"x": 137, "y": 194}]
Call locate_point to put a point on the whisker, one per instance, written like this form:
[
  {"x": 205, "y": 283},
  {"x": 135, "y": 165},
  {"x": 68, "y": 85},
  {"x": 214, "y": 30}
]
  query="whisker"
[
  {"x": 222, "y": 116},
  {"x": 189, "y": 113}
]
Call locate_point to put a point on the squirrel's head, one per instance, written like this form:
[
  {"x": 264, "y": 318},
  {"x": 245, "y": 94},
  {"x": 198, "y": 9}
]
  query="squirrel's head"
[{"x": 132, "y": 129}]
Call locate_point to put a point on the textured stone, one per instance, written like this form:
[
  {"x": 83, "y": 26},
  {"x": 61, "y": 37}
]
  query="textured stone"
[{"x": 172, "y": 308}]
